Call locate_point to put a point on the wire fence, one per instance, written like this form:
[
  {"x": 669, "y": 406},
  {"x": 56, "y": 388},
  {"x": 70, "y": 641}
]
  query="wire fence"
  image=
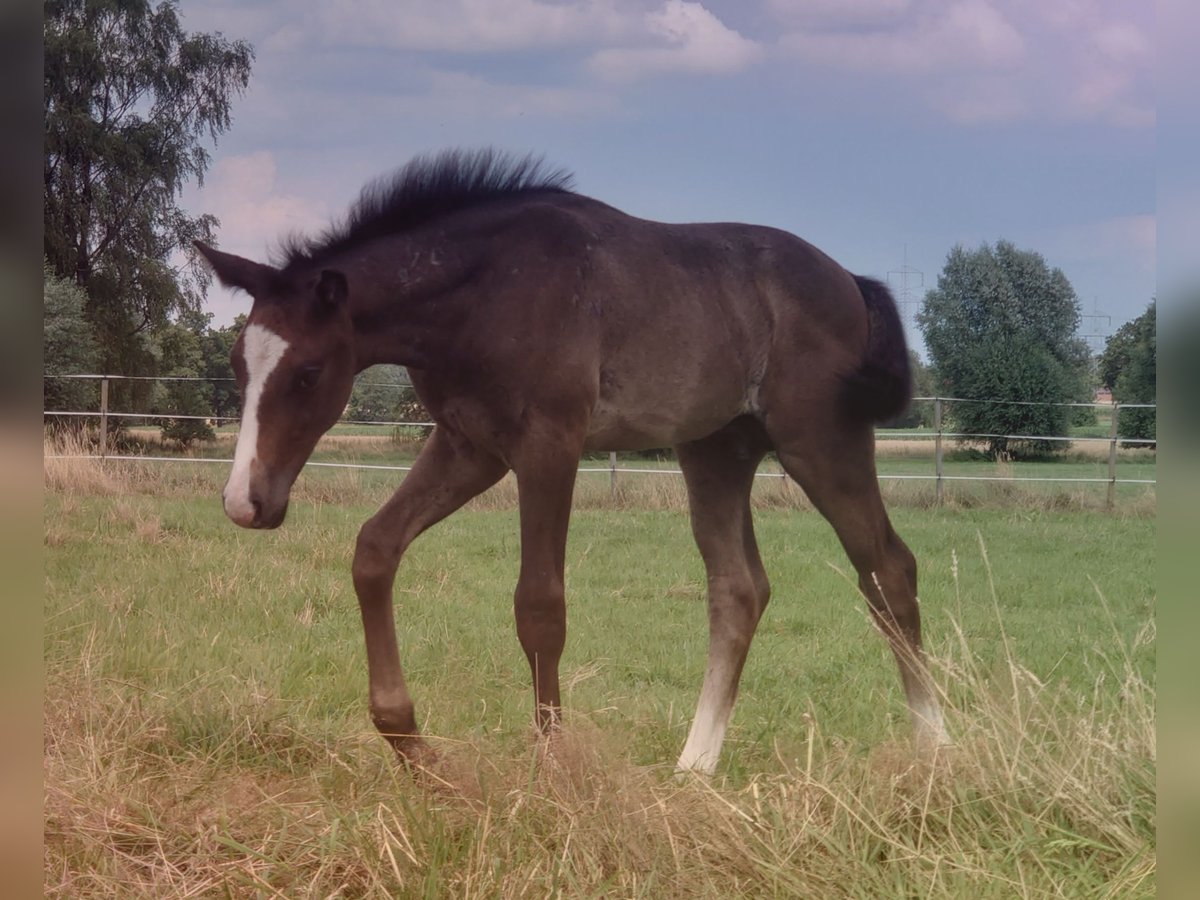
[{"x": 937, "y": 434}]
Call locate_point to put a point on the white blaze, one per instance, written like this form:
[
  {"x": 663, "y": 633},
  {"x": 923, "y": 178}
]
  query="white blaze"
[{"x": 262, "y": 349}]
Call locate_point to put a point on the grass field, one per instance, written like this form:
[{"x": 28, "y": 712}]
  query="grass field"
[
  {"x": 906, "y": 465},
  {"x": 206, "y": 731}
]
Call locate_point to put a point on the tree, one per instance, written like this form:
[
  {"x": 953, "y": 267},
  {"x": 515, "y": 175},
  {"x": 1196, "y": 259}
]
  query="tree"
[
  {"x": 216, "y": 346},
  {"x": 1000, "y": 325},
  {"x": 130, "y": 98},
  {"x": 68, "y": 348},
  {"x": 382, "y": 394},
  {"x": 179, "y": 351},
  {"x": 1129, "y": 367},
  {"x": 1119, "y": 348}
]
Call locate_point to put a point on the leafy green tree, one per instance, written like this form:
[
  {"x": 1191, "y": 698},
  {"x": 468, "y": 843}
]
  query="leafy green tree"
[
  {"x": 217, "y": 345},
  {"x": 1000, "y": 326},
  {"x": 1120, "y": 347},
  {"x": 381, "y": 394},
  {"x": 130, "y": 100},
  {"x": 179, "y": 350},
  {"x": 68, "y": 348},
  {"x": 1129, "y": 367}
]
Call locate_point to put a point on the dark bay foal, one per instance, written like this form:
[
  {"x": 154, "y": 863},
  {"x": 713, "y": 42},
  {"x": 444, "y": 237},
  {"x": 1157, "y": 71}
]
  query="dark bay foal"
[{"x": 538, "y": 324}]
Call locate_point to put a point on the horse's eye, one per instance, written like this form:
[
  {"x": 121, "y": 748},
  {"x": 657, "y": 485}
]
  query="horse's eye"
[{"x": 306, "y": 378}]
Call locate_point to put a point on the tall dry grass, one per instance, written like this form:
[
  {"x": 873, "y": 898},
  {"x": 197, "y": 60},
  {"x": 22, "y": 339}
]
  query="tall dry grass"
[
  {"x": 81, "y": 471},
  {"x": 70, "y": 467},
  {"x": 1044, "y": 793}
]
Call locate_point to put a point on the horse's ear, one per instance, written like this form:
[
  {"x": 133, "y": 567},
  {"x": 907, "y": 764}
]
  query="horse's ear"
[
  {"x": 236, "y": 272},
  {"x": 332, "y": 288}
]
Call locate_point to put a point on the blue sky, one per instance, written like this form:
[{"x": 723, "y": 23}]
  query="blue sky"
[{"x": 872, "y": 128}]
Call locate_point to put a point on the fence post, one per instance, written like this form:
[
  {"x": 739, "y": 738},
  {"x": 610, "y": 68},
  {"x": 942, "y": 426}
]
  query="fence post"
[
  {"x": 937, "y": 446},
  {"x": 612, "y": 474},
  {"x": 1112, "y": 455},
  {"x": 103, "y": 418}
]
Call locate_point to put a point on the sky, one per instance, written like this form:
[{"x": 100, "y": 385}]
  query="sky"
[{"x": 885, "y": 132}]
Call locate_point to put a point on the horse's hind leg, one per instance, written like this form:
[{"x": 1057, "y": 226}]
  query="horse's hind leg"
[
  {"x": 834, "y": 462},
  {"x": 447, "y": 474},
  {"x": 719, "y": 471}
]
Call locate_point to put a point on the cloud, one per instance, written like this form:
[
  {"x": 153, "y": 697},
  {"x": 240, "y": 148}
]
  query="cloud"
[
  {"x": 1122, "y": 43},
  {"x": 838, "y": 12},
  {"x": 970, "y": 34},
  {"x": 444, "y": 94},
  {"x": 678, "y": 36},
  {"x": 241, "y": 191},
  {"x": 981, "y": 61},
  {"x": 973, "y": 61},
  {"x": 682, "y": 37},
  {"x": 1132, "y": 237},
  {"x": 467, "y": 95},
  {"x": 469, "y": 26}
]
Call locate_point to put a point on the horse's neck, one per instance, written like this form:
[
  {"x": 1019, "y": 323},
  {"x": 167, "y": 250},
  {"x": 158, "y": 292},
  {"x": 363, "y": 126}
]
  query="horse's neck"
[{"x": 407, "y": 300}]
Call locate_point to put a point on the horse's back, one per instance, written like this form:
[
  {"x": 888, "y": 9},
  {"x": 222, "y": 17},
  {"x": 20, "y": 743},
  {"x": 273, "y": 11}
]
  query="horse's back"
[
  {"x": 666, "y": 332},
  {"x": 701, "y": 323}
]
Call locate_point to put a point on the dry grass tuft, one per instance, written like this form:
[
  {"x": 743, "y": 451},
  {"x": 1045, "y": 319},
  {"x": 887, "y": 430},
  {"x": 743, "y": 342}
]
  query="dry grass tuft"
[
  {"x": 1043, "y": 793},
  {"x": 81, "y": 474}
]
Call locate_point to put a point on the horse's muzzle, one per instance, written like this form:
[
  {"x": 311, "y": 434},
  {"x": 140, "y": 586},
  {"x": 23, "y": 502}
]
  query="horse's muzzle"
[{"x": 255, "y": 511}]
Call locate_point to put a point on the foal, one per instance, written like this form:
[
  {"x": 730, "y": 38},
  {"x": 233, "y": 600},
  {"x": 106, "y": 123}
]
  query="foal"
[{"x": 538, "y": 324}]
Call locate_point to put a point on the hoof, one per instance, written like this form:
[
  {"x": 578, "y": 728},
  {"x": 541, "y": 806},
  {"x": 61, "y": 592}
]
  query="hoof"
[
  {"x": 413, "y": 752},
  {"x": 693, "y": 772},
  {"x": 932, "y": 743}
]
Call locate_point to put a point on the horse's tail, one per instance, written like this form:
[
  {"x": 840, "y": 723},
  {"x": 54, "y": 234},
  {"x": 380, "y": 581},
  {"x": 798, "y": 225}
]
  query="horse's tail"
[{"x": 882, "y": 386}]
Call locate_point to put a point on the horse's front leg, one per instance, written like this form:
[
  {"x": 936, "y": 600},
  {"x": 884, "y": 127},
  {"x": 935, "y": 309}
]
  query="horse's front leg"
[
  {"x": 546, "y": 484},
  {"x": 448, "y": 472}
]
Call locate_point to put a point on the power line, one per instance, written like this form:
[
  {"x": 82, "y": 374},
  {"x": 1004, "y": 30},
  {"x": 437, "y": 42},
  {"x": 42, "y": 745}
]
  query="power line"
[
  {"x": 1101, "y": 329},
  {"x": 906, "y": 278}
]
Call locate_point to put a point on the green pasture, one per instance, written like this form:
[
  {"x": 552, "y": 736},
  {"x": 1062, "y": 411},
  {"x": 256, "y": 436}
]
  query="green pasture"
[
  {"x": 193, "y": 667},
  {"x": 273, "y": 614}
]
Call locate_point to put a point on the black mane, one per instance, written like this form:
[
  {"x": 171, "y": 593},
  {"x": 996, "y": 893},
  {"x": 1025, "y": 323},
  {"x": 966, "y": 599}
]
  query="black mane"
[{"x": 423, "y": 189}]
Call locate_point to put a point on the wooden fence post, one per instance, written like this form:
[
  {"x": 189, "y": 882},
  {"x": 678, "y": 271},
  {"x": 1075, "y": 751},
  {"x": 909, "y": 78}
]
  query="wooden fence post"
[
  {"x": 612, "y": 474},
  {"x": 1112, "y": 455},
  {"x": 103, "y": 418},
  {"x": 937, "y": 451}
]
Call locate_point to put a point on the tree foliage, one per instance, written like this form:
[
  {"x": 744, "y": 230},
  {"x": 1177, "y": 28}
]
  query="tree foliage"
[
  {"x": 1129, "y": 367},
  {"x": 384, "y": 394},
  {"x": 1119, "y": 349},
  {"x": 198, "y": 380},
  {"x": 130, "y": 99},
  {"x": 68, "y": 347},
  {"x": 217, "y": 344},
  {"x": 1000, "y": 325},
  {"x": 186, "y": 398}
]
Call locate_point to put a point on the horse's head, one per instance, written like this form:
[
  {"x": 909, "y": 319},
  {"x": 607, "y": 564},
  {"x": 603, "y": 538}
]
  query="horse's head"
[{"x": 295, "y": 367}]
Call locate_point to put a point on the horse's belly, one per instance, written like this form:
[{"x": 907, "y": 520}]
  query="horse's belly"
[
  {"x": 625, "y": 426},
  {"x": 661, "y": 392}
]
